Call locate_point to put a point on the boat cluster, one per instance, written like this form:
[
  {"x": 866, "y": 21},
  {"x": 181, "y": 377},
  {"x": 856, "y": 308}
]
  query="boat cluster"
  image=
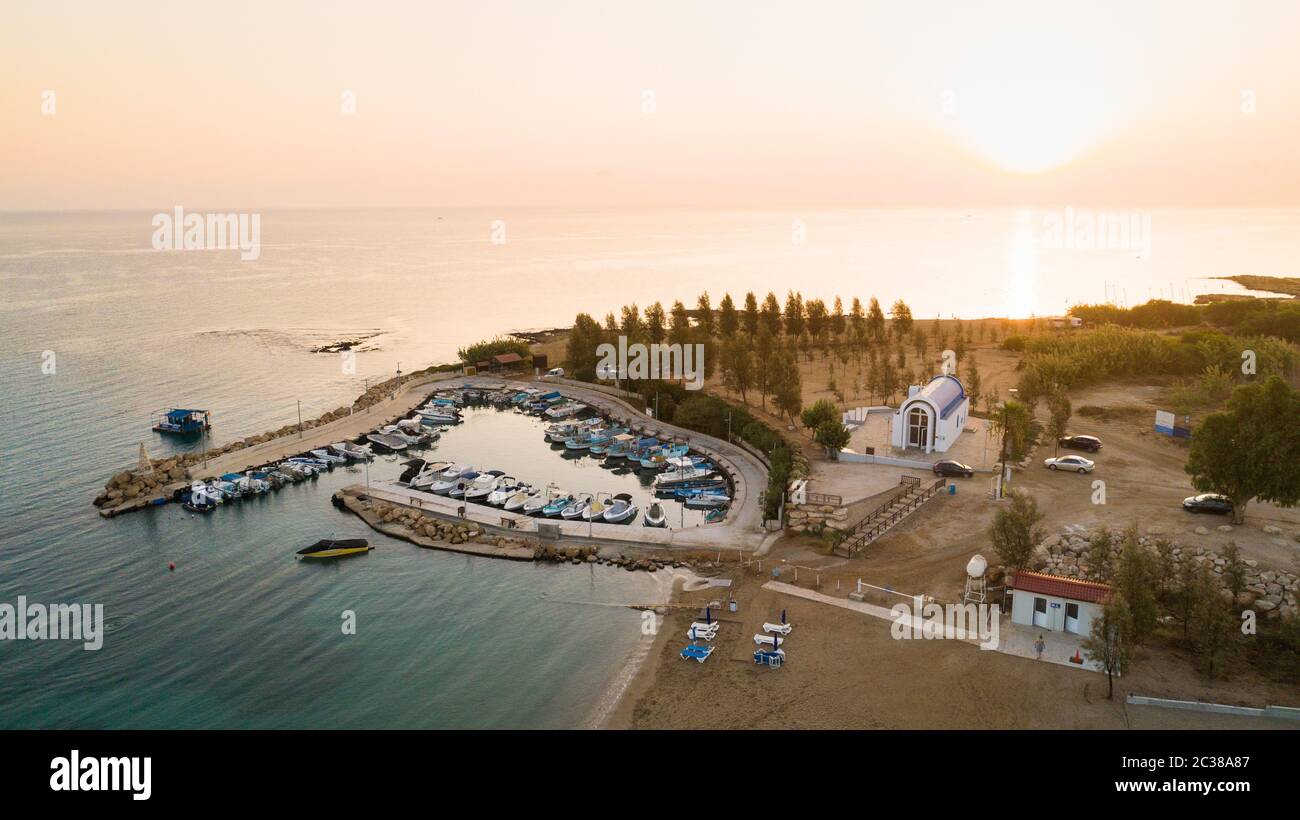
[
  {"x": 693, "y": 480},
  {"x": 496, "y": 489},
  {"x": 206, "y": 496}
]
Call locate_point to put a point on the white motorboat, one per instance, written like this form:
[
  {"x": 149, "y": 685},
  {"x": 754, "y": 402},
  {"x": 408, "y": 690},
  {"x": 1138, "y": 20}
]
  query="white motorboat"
[
  {"x": 515, "y": 503},
  {"x": 622, "y": 510},
  {"x": 674, "y": 478},
  {"x": 655, "y": 517},
  {"x": 349, "y": 450},
  {"x": 462, "y": 484},
  {"x": 577, "y": 508},
  {"x": 483, "y": 485},
  {"x": 539, "y": 499},
  {"x": 506, "y": 486},
  {"x": 409, "y": 438},
  {"x": 387, "y": 442},
  {"x": 326, "y": 455},
  {"x": 432, "y": 472}
]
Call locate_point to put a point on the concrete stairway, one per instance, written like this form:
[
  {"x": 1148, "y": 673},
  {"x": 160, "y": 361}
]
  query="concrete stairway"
[{"x": 911, "y": 494}]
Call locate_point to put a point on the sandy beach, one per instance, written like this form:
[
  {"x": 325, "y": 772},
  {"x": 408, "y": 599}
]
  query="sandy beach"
[{"x": 846, "y": 672}]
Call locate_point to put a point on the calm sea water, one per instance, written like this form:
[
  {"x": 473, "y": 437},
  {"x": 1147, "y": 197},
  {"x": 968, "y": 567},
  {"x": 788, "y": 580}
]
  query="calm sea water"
[{"x": 240, "y": 634}]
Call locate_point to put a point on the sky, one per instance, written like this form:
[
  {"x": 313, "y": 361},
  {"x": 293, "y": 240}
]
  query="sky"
[{"x": 700, "y": 104}]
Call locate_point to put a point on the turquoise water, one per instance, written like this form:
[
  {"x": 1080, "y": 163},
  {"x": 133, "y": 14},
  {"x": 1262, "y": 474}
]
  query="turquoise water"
[{"x": 242, "y": 635}]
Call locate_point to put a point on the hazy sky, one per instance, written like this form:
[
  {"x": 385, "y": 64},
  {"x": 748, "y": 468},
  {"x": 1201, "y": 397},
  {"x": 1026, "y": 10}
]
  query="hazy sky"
[{"x": 704, "y": 103}]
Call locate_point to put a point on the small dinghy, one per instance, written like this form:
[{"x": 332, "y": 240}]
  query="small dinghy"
[
  {"x": 329, "y": 456},
  {"x": 655, "y": 517},
  {"x": 335, "y": 548}
]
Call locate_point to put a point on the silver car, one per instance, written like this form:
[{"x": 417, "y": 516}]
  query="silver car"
[{"x": 1078, "y": 464}]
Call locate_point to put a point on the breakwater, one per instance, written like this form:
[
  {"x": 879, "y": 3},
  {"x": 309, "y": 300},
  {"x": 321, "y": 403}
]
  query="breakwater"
[{"x": 383, "y": 403}]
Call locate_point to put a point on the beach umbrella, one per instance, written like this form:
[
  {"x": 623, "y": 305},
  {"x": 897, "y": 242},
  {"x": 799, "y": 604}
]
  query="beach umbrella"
[
  {"x": 783, "y": 616},
  {"x": 708, "y": 615}
]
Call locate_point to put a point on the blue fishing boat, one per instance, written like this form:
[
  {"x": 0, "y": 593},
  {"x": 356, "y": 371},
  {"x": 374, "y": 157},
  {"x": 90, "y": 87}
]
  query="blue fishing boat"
[{"x": 181, "y": 422}]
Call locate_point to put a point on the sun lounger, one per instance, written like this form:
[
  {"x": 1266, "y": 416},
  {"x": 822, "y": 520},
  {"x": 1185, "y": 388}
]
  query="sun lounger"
[
  {"x": 696, "y": 653},
  {"x": 769, "y": 657},
  {"x": 696, "y": 633},
  {"x": 765, "y": 640},
  {"x": 711, "y": 626},
  {"x": 779, "y": 629}
]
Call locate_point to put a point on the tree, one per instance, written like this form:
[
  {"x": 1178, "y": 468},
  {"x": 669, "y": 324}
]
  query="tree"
[
  {"x": 833, "y": 435},
  {"x": 1059, "y": 410},
  {"x": 764, "y": 375},
  {"x": 1136, "y": 582},
  {"x": 818, "y": 318},
  {"x": 973, "y": 387},
  {"x": 1015, "y": 530},
  {"x": 838, "y": 320},
  {"x": 1250, "y": 449},
  {"x": 794, "y": 321},
  {"x": 875, "y": 320},
  {"x": 580, "y": 354},
  {"x": 679, "y": 325},
  {"x": 749, "y": 319},
  {"x": 788, "y": 395},
  {"x": 631, "y": 325},
  {"x": 1212, "y": 621},
  {"x": 728, "y": 319},
  {"x": 654, "y": 323},
  {"x": 737, "y": 367},
  {"x": 901, "y": 315},
  {"x": 770, "y": 314},
  {"x": 857, "y": 319},
  {"x": 1015, "y": 425},
  {"x": 1234, "y": 569},
  {"x": 705, "y": 309},
  {"x": 821, "y": 411},
  {"x": 1109, "y": 644}
]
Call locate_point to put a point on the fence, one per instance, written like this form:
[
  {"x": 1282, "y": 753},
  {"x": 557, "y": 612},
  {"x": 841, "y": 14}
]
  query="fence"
[{"x": 879, "y": 520}]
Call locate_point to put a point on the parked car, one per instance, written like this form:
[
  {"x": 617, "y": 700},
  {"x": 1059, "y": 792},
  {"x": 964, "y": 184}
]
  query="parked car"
[
  {"x": 1208, "y": 503},
  {"x": 1090, "y": 443},
  {"x": 953, "y": 468},
  {"x": 1078, "y": 464},
  {"x": 555, "y": 373}
]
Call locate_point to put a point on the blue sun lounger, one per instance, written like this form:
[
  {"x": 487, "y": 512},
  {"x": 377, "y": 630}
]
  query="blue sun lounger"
[{"x": 696, "y": 653}]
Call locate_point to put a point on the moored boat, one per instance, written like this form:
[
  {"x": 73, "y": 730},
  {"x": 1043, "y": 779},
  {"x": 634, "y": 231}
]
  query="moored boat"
[{"x": 335, "y": 548}]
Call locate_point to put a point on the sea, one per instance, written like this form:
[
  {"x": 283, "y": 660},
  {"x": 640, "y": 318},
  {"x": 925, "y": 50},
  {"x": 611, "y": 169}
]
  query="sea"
[{"x": 211, "y": 623}]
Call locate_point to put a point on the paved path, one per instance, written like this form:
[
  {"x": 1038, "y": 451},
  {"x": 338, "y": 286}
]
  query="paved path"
[
  {"x": 1012, "y": 639},
  {"x": 407, "y": 397}
]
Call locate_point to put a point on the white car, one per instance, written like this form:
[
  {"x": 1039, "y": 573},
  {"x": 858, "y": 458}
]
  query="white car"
[
  {"x": 555, "y": 373},
  {"x": 1078, "y": 464}
]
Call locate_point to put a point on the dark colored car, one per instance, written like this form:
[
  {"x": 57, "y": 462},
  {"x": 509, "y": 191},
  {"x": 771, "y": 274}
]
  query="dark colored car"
[
  {"x": 1090, "y": 443},
  {"x": 952, "y": 468},
  {"x": 1208, "y": 503}
]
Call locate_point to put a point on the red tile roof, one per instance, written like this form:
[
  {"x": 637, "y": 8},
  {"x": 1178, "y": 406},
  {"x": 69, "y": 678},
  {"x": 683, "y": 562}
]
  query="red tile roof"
[
  {"x": 1060, "y": 587},
  {"x": 507, "y": 358}
]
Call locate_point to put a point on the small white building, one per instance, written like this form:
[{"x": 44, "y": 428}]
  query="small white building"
[
  {"x": 931, "y": 417},
  {"x": 1056, "y": 603}
]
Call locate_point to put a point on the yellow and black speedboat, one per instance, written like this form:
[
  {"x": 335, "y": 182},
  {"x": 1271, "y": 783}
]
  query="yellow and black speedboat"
[{"x": 335, "y": 548}]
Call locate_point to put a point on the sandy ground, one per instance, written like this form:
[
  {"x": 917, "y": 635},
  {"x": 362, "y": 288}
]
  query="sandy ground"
[{"x": 846, "y": 672}]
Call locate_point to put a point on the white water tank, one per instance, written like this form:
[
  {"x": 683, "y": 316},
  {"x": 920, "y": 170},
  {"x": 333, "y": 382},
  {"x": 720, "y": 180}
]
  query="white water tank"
[{"x": 976, "y": 565}]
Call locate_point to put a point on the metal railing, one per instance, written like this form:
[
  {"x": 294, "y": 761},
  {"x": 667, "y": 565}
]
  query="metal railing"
[
  {"x": 824, "y": 498},
  {"x": 906, "y": 499}
]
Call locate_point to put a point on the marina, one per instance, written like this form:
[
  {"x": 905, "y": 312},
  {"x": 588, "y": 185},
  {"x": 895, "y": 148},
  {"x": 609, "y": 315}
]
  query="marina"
[{"x": 540, "y": 477}]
